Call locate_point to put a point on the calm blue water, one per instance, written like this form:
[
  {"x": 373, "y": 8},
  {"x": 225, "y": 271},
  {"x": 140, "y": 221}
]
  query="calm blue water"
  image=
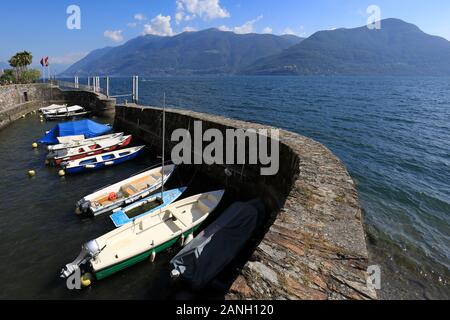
[{"x": 392, "y": 133}]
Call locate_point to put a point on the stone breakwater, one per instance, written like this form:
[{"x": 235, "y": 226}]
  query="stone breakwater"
[
  {"x": 18, "y": 100},
  {"x": 313, "y": 246}
]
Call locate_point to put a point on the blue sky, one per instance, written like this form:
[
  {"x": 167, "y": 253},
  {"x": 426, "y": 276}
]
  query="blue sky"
[{"x": 40, "y": 26}]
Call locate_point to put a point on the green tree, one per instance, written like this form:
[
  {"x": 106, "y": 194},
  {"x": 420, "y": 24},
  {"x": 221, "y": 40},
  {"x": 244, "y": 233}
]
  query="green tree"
[
  {"x": 20, "y": 62},
  {"x": 30, "y": 75},
  {"x": 7, "y": 77}
]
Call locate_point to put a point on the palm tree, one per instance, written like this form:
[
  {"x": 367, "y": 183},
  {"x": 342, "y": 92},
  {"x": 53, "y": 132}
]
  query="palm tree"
[
  {"x": 14, "y": 62},
  {"x": 20, "y": 62},
  {"x": 26, "y": 58}
]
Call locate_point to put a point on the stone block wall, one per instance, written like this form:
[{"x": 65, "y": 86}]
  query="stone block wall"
[
  {"x": 314, "y": 246},
  {"x": 18, "y": 100}
]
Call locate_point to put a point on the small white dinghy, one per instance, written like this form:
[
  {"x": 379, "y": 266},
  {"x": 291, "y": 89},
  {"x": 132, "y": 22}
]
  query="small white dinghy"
[
  {"x": 101, "y": 161},
  {"x": 80, "y": 141},
  {"x": 65, "y": 113},
  {"x": 125, "y": 192},
  {"x": 52, "y": 107},
  {"x": 144, "y": 237},
  {"x": 71, "y": 154}
]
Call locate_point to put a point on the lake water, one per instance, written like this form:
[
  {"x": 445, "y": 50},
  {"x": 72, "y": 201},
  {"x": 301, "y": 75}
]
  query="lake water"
[
  {"x": 40, "y": 232},
  {"x": 393, "y": 134}
]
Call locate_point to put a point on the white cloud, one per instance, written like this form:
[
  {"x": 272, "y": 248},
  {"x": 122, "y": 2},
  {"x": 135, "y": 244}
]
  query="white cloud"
[
  {"x": 139, "y": 17},
  {"x": 224, "y": 28},
  {"x": 69, "y": 58},
  {"x": 268, "y": 30},
  {"x": 132, "y": 25},
  {"x": 290, "y": 31},
  {"x": 247, "y": 27},
  {"x": 159, "y": 26},
  {"x": 115, "y": 36},
  {"x": 179, "y": 17},
  {"x": 190, "y": 29},
  {"x": 206, "y": 9}
]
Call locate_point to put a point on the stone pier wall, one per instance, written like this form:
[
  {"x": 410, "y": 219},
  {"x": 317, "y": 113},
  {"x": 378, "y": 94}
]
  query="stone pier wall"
[
  {"x": 314, "y": 244},
  {"x": 18, "y": 100}
]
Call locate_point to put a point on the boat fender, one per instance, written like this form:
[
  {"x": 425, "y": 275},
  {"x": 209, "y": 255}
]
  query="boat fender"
[
  {"x": 34, "y": 145},
  {"x": 112, "y": 196},
  {"x": 61, "y": 173},
  {"x": 86, "y": 280},
  {"x": 182, "y": 238},
  {"x": 189, "y": 239},
  {"x": 31, "y": 173},
  {"x": 175, "y": 274},
  {"x": 153, "y": 256}
]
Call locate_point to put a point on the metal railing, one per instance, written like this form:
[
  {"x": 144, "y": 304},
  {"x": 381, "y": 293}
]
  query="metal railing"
[
  {"x": 77, "y": 86},
  {"x": 93, "y": 85}
]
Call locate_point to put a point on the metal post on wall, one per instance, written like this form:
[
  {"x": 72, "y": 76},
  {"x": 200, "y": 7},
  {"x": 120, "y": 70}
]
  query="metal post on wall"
[
  {"x": 137, "y": 89},
  {"x": 89, "y": 83},
  {"x": 134, "y": 90},
  {"x": 107, "y": 87}
]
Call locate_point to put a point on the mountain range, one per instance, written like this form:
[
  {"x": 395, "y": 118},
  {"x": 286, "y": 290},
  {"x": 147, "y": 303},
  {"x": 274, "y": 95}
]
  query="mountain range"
[
  {"x": 209, "y": 51},
  {"x": 398, "y": 48}
]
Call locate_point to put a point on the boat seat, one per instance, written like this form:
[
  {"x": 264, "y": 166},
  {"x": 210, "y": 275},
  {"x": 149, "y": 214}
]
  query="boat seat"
[
  {"x": 213, "y": 198},
  {"x": 143, "y": 183},
  {"x": 102, "y": 199},
  {"x": 156, "y": 176},
  {"x": 183, "y": 218},
  {"x": 205, "y": 205},
  {"x": 129, "y": 190}
]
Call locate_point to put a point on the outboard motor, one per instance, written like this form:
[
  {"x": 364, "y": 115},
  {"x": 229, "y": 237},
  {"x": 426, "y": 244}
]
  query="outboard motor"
[
  {"x": 82, "y": 207},
  {"x": 88, "y": 251}
]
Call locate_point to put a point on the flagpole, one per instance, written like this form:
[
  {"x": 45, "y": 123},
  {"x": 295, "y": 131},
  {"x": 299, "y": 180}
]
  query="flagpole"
[{"x": 43, "y": 70}]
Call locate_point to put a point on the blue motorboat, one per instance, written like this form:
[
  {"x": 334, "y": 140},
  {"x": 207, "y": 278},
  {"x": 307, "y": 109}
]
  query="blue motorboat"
[
  {"x": 86, "y": 128},
  {"x": 145, "y": 207},
  {"x": 101, "y": 160}
]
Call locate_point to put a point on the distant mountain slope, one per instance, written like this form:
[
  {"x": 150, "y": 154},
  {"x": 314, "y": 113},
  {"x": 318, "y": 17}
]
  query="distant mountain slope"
[
  {"x": 4, "y": 65},
  {"x": 399, "y": 48},
  {"x": 293, "y": 38},
  {"x": 205, "y": 52}
]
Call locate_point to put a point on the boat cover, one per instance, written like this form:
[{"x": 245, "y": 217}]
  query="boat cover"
[
  {"x": 88, "y": 128},
  {"x": 215, "y": 247}
]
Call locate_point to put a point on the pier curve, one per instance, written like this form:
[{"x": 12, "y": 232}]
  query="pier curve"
[{"x": 313, "y": 246}]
